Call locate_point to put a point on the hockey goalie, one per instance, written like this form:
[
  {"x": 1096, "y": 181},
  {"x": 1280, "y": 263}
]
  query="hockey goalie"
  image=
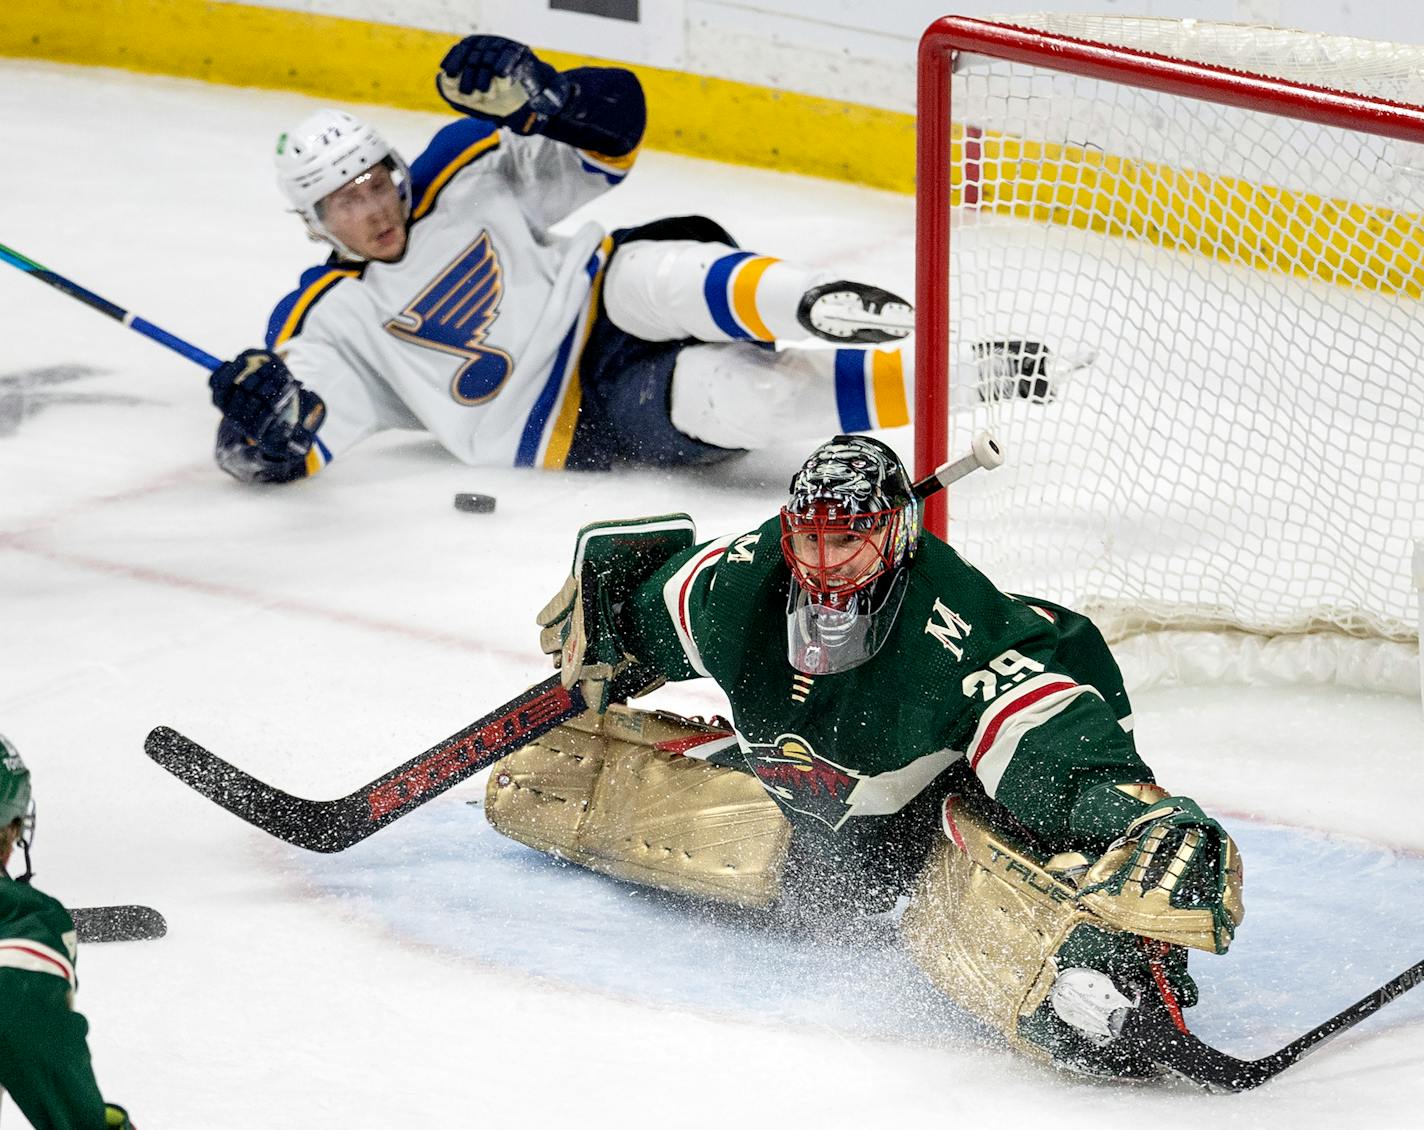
[{"x": 903, "y": 733}]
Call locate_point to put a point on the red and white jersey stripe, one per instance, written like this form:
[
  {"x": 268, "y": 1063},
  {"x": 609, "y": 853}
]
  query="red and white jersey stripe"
[
  {"x": 36, "y": 957},
  {"x": 1010, "y": 717},
  {"x": 700, "y": 746},
  {"x": 677, "y": 596}
]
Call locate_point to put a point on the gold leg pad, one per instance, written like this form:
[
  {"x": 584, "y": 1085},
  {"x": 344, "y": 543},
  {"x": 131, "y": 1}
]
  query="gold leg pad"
[
  {"x": 598, "y": 792},
  {"x": 984, "y": 922}
]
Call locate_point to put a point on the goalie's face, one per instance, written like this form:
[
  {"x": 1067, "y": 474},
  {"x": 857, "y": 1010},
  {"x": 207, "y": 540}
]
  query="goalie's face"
[
  {"x": 367, "y": 214},
  {"x": 833, "y": 554}
]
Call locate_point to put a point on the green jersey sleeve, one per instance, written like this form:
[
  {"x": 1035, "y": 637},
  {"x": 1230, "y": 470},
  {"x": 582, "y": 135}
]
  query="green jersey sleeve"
[
  {"x": 678, "y": 622},
  {"x": 44, "y": 1054},
  {"x": 1050, "y": 724}
]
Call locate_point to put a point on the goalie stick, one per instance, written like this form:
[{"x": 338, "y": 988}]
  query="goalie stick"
[
  {"x": 117, "y": 923},
  {"x": 1199, "y": 1062},
  {"x": 335, "y": 825}
]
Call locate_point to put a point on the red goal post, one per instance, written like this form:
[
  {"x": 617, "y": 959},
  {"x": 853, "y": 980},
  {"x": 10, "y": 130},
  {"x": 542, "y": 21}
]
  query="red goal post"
[{"x": 944, "y": 49}]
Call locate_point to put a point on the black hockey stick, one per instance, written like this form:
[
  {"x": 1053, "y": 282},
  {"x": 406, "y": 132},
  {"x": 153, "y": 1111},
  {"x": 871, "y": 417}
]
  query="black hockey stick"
[
  {"x": 1201, "y": 1063},
  {"x": 334, "y": 825},
  {"x": 117, "y": 923}
]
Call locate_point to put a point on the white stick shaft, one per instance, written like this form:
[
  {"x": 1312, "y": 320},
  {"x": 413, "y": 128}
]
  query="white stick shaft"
[{"x": 985, "y": 452}]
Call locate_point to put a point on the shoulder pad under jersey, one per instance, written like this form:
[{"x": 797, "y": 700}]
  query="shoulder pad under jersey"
[{"x": 291, "y": 312}]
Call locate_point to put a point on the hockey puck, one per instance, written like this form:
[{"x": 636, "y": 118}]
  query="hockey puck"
[{"x": 475, "y": 503}]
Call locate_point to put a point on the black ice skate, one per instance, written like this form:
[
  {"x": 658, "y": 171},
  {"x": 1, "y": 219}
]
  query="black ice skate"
[{"x": 855, "y": 313}]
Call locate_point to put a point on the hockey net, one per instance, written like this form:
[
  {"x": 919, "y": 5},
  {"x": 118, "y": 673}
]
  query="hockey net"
[{"x": 1217, "y": 232}]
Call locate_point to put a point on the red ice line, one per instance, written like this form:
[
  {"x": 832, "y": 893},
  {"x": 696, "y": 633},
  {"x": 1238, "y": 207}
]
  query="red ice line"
[{"x": 22, "y": 540}]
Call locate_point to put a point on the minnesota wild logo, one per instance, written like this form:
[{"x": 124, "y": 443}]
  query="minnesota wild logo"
[{"x": 803, "y": 781}]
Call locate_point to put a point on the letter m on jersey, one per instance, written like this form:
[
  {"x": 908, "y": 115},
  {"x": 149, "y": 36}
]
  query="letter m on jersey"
[
  {"x": 948, "y": 626},
  {"x": 454, "y": 313}
]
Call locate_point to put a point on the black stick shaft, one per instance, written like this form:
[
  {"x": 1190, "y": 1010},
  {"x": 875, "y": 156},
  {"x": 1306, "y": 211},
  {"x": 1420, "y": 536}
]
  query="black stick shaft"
[
  {"x": 334, "y": 825},
  {"x": 1198, "y": 1061}
]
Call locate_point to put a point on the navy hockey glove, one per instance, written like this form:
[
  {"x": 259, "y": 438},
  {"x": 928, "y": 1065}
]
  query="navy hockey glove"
[
  {"x": 266, "y": 405},
  {"x": 502, "y": 80}
]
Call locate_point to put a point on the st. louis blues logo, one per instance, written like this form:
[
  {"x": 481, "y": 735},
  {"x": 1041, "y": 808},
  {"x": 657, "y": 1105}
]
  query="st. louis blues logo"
[
  {"x": 803, "y": 781},
  {"x": 454, "y": 313}
]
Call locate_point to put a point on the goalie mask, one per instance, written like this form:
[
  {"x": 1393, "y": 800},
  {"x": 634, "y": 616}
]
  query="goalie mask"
[
  {"x": 327, "y": 151},
  {"x": 847, "y": 532},
  {"x": 16, "y": 802}
]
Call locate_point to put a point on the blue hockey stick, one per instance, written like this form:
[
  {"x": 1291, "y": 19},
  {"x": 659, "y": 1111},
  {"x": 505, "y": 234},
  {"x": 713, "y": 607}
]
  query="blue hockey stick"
[{"x": 104, "y": 306}]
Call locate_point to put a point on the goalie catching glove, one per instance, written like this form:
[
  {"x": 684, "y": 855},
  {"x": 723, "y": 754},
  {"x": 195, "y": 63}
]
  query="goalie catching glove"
[
  {"x": 1174, "y": 875},
  {"x": 580, "y": 624}
]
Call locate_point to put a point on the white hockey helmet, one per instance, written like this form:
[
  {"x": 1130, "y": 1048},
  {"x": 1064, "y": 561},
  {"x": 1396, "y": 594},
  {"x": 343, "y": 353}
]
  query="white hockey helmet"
[{"x": 324, "y": 151}]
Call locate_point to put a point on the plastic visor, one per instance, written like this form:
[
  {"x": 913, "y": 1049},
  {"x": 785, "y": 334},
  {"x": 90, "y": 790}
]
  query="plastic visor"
[{"x": 821, "y": 640}]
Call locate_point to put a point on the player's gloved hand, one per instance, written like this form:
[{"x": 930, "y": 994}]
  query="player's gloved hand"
[
  {"x": 579, "y": 632},
  {"x": 258, "y": 396},
  {"x": 496, "y": 78},
  {"x": 1174, "y": 875},
  {"x": 116, "y": 1118}
]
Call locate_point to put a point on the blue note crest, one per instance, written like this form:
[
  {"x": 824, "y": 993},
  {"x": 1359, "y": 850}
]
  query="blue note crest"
[{"x": 454, "y": 313}]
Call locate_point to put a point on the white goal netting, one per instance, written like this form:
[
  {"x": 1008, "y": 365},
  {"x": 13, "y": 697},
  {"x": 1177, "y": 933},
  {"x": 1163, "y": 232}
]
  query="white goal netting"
[{"x": 1232, "y": 435}]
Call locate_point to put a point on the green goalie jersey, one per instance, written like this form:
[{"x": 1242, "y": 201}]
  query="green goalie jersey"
[
  {"x": 44, "y": 1057},
  {"x": 973, "y": 689}
]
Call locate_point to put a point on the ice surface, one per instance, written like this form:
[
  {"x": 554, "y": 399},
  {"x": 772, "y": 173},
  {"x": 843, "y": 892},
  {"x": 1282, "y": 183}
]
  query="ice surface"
[{"x": 320, "y": 634}]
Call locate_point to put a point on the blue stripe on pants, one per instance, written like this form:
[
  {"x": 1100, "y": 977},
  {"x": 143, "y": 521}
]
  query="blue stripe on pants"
[
  {"x": 714, "y": 290},
  {"x": 850, "y": 390}
]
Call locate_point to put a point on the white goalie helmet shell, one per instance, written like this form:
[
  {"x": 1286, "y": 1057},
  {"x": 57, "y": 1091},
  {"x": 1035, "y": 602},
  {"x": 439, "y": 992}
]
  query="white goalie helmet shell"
[{"x": 325, "y": 151}]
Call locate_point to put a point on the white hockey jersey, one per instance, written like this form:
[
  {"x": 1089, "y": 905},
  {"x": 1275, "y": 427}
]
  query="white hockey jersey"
[{"x": 475, "y": 333}]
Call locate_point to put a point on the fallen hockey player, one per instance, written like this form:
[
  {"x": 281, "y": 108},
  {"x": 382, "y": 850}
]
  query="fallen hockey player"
[
  {"x": 901, "y": 730},
  {"x": 448, "y": 304}
]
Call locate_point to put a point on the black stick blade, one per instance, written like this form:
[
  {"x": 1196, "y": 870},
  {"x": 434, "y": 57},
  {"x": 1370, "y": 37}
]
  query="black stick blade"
[
  {"x": 1192, "y": 1059},
  {"x": 118, "y": 923},
  {"x": 316, "y": 825}
]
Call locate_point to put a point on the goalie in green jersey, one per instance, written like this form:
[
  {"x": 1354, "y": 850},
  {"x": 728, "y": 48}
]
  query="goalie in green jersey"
[
  {"x": 900, "y": 727},
  {"x": 44, "y": 1058}
]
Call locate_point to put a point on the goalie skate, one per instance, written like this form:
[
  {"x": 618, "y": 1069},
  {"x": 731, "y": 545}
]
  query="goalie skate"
[{"x": 854, "y": 312}]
